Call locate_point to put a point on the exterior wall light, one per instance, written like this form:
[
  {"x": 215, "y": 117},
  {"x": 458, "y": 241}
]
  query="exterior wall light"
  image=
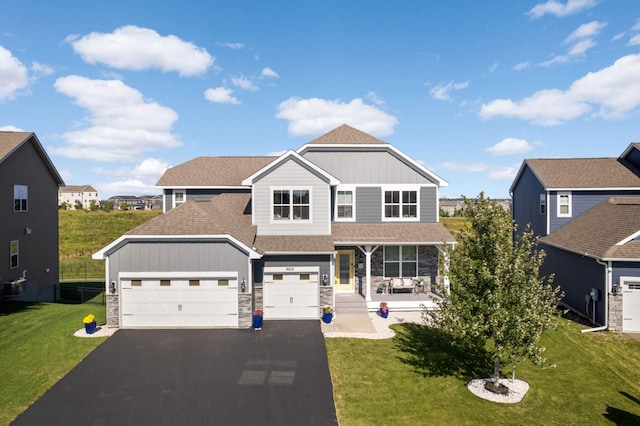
[{"x": 243, "y": 285}]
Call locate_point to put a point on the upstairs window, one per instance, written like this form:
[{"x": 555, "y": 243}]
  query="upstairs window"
[
  {"x": 344, "y": 205},
  {"x": 543, "y": 203},
  {"x": 564, "y": 204},
  {"x": 291, "y": 204},
  {"x": 14, "y": 252},
  {"x": 178, "y": 198},
  {"x": 401, "y": 204},
  {"x": 20, "y": 198}
]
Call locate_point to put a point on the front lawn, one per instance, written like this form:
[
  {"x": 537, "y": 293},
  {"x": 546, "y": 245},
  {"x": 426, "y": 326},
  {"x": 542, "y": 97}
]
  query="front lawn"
[
  {"x": 37, "y": 348},
  {"x": 418, "y": 378}
]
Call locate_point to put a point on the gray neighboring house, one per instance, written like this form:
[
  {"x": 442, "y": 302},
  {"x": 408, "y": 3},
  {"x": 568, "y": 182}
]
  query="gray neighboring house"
[
  {"x": 342, "y": 214},
  {"x": 28, "y": 218},
  {"x": 587, "y": 213}
]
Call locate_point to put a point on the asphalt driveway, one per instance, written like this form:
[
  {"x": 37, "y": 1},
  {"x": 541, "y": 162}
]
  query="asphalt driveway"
[{"x": 277, "y": 376}]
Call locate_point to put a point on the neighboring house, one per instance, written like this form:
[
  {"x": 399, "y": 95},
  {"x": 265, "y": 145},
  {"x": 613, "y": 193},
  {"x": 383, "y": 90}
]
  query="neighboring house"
[
  {"x": 74, "y": 194},
  {"x": 587, "y": 211},
  {"x": 134, "y": 202},
  {"x": 452, "y": 207},
  {"x": 344, "y": 213},
  {"x": 28, "y": 219}
]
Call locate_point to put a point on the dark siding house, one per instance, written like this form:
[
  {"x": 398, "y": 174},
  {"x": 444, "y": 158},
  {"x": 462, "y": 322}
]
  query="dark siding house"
[
  {"x": 28, "y": 218},
  {"x": 587, "y": 211},
  {"x": 343, "y": 214}
]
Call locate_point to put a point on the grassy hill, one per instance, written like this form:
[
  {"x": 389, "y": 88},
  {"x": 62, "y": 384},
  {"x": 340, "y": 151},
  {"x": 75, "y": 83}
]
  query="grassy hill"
[{"x": 82, "y": 233}]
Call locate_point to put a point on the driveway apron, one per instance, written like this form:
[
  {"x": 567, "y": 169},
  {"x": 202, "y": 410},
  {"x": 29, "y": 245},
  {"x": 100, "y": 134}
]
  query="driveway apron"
[{"x": 276, "y": 376}]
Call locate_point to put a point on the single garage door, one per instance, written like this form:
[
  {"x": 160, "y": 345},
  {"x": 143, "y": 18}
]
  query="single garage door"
[
  {"x": 631, "y": 305},
  {"x": 291, "y": 294},
  {"x": 174, "y": 301}
]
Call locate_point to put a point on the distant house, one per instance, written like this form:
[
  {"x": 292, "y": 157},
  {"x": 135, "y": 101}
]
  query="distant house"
[
  {"x": 134, "y": 202},
  {"x": 28, "y": 219},
  {"x": 587, "y": 211},
  {"x": 73, "y": 195},
  {"x": 451, "y": 207},
  {"x": 346, "y": 213}
]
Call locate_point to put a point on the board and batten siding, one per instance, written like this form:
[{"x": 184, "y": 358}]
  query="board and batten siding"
[
  {"x": 292, "y": 175},
  {"x": 173, "y": 256},
  {"x": 581, "y": 201},
  {"x": 366, "y": 167},
  {"x": 526, "y": 203}
]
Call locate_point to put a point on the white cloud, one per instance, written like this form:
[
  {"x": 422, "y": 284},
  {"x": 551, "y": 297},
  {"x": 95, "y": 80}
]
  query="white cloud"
[
  {"x": 268, "y": 72},
  {"x": 615, "y": 90},
  {"x": 636, "y": 27},
  {"x": 244, "y": 83},
  {"x": 618, "y": 36},
  {"x": 559, "y": 9},
  {"x": 581, "y": 47},
  {"x": 122, "y": 124},
  {"x": 521, "y": 66},
  {"x": 220, "y": 95},
  {"x": 10, "y": 128},
  {"x": 579, "y": 42},
  {"x": 443, "y": 92},
  {"x": 560, "y": 59},
  {"x": 510, "y": 146},
  {"x": 137, "y": 180},
  {"x": 234, "y": 46},
  {"x": 502, "y": 173},
  {"x": 13, "y": 75},
  {"x": 464, "y": 167},
  {"x": 588, "y": 30},
  {"x": 374, "y": 99},
  {"x": 315, "y": 116},
  {"x": 135, "y": 48},
  {"x": 41, "y": 69},
  {"x": 493, "y": 67},
  {"x": 505, "y": 173},
  {"x": 634, "y": 41}
]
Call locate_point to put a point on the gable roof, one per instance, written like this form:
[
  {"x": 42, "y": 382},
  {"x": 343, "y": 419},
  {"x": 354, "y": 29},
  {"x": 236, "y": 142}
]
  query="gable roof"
[
  {"x": 581, "y": 173},
  {"x": 291, "y": 155},
  {"x": 10, "y": 142},
  {"x": 77, "y": 188},
  {"x": 347, "y": 135},
  {"x": 385, "y": 233},
  {"x": 213, "y": 172},
  {"x": 607, "y": 231}
]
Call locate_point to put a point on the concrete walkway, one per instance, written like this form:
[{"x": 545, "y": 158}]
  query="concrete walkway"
[{"x": 368, "y": 326}]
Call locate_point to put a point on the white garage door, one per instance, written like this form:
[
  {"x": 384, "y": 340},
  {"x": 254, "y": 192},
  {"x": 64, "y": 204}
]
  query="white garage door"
[
  {"x": 174, "y": 301},
  {"x": 631, "y": 306},
  {"x": 291, "y": 295}
]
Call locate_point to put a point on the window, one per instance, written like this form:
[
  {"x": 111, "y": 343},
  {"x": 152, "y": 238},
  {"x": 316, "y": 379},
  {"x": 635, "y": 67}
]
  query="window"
[
  {"x": 223, "y": 283},
  {"x": 344, "y": 205},
  {"x": 400, "y": 261},
  {"x": 178, "y": 198},
  {"x": 136, "y": 283},
  {"x": 291, "y": 204},
  {"x": 543, "y": 203},
  {"x": 194, "y": 283},
  {"x": 400, "y": 204},
  {"x": 305, "y": 277},
  {"x": 564, "y": 204},
  {"x": 14, "y": 254},
  {"x": 20, "y": 197},
  {"x": 165, "y": 283},
  {"x": 278, "y": 277}
]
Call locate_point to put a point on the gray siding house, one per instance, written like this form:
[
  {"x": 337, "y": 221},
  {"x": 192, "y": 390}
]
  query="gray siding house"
[
  {"x": 343, "y": 214},
  {"x": 28, "y": 218},
  {"x": 587, "y": 213}
]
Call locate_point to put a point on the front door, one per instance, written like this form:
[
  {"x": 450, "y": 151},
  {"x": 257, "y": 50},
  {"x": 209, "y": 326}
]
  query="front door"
[{"x": 344, "y": 270}]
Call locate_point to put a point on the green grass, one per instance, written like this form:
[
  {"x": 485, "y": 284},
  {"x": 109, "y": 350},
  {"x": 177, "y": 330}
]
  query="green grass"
[
  {"x": 455, "y": 224},
  {"x": 82, "y": 233},
  {"x": 38, "y": 348},
  {"x": 418, "y": 378}
]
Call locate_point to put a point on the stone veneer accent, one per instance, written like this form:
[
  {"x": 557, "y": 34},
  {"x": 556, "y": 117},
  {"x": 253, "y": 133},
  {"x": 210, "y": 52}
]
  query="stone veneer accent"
[
  {"x": 326, "y": 297},
  {"x": 113, "y": 310},
  {"x": 245, "y": 310},
  {"x": 258, "y": 296},
  {"x": 615, "y": 312}
]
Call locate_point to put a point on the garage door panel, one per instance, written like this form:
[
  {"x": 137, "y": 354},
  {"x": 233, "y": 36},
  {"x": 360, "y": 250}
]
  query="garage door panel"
[
  {"x": 179, "y": 304},
  {"x": 288, "y": 297}
]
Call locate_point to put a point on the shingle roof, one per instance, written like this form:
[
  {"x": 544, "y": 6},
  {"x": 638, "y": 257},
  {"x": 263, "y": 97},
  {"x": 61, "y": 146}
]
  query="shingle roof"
[
  {"x": 77, "y": 188},
  {"x": 213, "y": 171},
  {"x": 596, "y": 232},
  {"x": 294, "y": 243},
  {"x": 381, "y": 233},
  {"x": 346, "y": 135},
  {"x": 584, "y": 173},
  {"x": 9, "y": 141}
]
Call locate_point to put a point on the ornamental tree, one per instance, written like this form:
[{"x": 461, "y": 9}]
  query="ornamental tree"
[{"x": 497, "y": 298}]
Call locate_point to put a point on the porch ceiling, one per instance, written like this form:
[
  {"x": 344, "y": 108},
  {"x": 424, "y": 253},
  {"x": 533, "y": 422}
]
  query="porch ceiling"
[{"x": 390, "y": 233}]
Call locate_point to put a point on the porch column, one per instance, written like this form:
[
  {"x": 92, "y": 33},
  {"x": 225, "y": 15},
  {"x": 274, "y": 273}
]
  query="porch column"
[
  {"x": 368, "y": 250},
  {"x": 445, "y": 267}
]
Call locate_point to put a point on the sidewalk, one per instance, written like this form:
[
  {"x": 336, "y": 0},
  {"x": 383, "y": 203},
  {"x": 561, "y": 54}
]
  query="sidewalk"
[{"x": 368, "y": 326}]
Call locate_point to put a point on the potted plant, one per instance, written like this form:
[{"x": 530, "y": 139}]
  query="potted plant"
[
  {"x": 257, "y": 318},
  {"x": 384, "y": 309},
  {"x": 89, "y": 324},
  {"x": 327, "y": 314}
]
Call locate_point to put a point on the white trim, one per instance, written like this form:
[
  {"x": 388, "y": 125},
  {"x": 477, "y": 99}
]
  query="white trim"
[
  {"x": 178, "y": 274},
  {"x": 546, "y": 231},
  {"x": 624, "y": 188},
  {"x": 291, "y": 269},
  {"x": 559, "y": 196},
  {"x": 290, "y": 220},
  {"x": 104, "y": 252},
  {"x": 203, "y": 186},
  {"x": 345, "y": 188},
  {"x": 395, "y": 243},
  {"x": 400, "y": 188},
  {"x": 332, "y": 180},
  {"x": 629, "y": 238},
  {"x": 273, "y": 253}
]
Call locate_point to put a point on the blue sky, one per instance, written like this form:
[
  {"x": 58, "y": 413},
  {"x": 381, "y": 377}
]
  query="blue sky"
[{"x": 117, "y": 91}]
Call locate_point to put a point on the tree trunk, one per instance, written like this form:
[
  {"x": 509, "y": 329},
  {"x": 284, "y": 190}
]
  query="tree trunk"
[
  {"x": 496, "y": 372},
  {"x": 513, "y": 372}
]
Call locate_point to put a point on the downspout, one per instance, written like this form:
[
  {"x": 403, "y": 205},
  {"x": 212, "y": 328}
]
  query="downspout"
[{"x": 607, "y": 286}]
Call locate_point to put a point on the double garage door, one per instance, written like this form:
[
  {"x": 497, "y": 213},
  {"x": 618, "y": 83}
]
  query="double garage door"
[
  {"x": 174, "y": 300},
  {"x": 291, "y": 293}
]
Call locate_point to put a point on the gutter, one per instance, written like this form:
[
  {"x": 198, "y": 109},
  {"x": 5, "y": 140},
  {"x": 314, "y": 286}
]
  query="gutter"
[{"x": 608, "y": 272}]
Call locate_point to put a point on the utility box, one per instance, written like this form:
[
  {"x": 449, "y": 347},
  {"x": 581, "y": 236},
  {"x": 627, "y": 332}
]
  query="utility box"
[{"x": 595, "y": 294}]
